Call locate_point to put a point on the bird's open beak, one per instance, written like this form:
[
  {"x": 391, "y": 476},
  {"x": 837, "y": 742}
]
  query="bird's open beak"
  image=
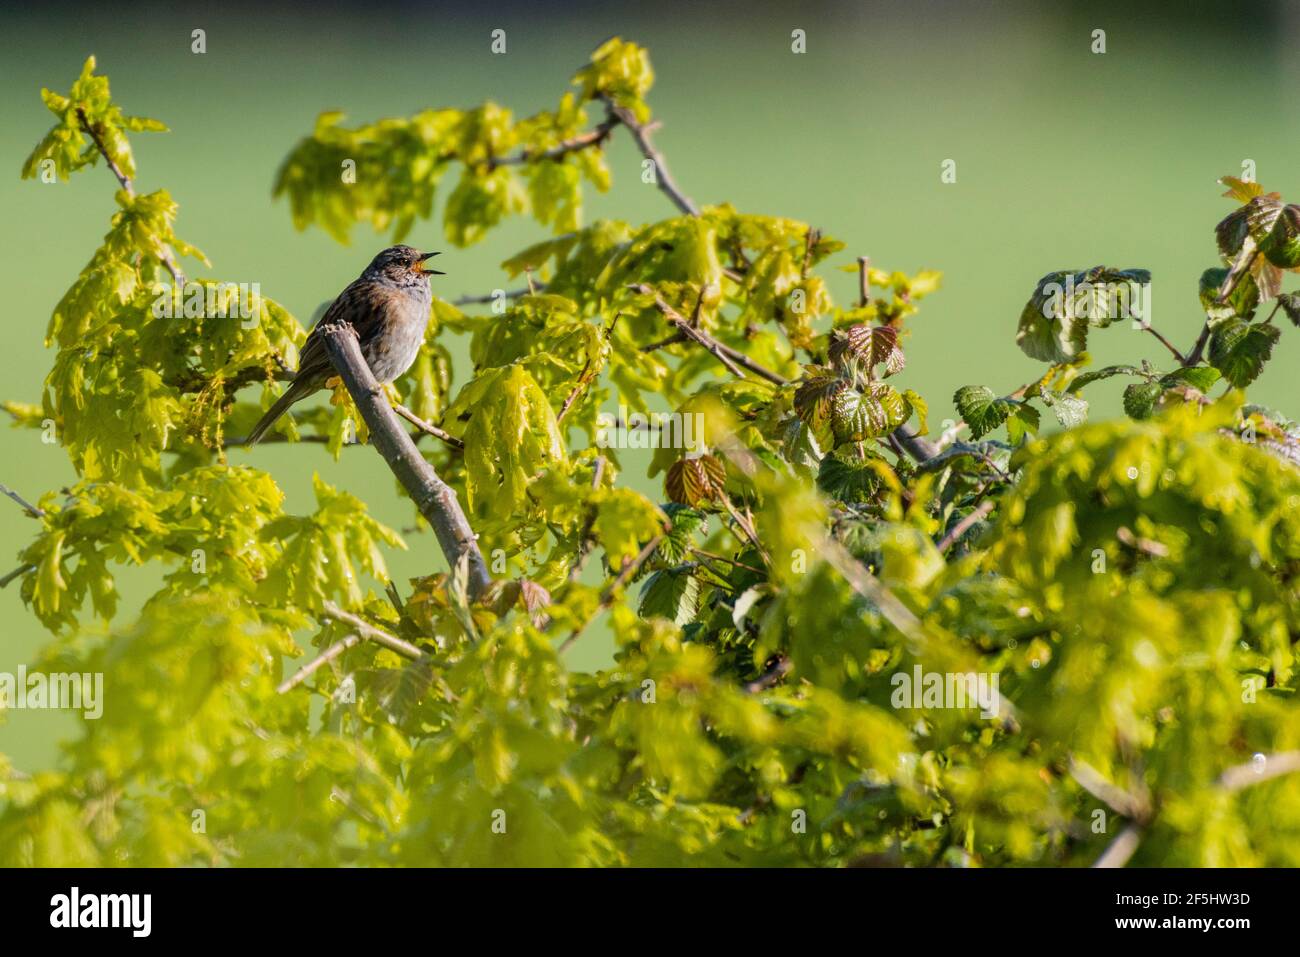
[{"x": 430, "y": 272}]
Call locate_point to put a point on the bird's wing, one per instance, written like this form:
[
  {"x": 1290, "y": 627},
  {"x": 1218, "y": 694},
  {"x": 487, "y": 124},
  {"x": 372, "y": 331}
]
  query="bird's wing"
[{"x": 314, "y": 361}]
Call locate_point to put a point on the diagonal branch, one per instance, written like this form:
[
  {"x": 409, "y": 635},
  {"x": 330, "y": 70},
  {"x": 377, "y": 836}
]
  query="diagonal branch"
[
  {"x": 428, "y": 427},
  {"x": 663, "y": 179},
  {"x": 164, "y": 252},
  {"x": 435, "y": 499},
  {"x": 32, "y": 510},
  {"x": 731, "y": 358},
  {"x": 371, "y": 633},
  {"x": 310, "y": 668}
]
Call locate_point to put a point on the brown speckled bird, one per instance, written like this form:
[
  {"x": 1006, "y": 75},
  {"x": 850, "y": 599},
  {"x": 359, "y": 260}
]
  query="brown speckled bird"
[{"x": 388, "y": 306}]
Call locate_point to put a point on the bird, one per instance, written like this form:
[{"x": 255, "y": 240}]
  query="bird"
[{"x": 387, "y": 306}]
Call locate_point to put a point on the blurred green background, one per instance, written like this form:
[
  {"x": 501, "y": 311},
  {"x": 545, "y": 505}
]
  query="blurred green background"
[{"x": 1065, "y": 159}]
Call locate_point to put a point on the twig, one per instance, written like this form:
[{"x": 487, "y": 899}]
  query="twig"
[
  {"x": 1198, "y": 350},
  {"x": 630, "y": 568},
  {"x": 371, "y": 633},
  {"x": 730, "y": 561},
  {"x": 596, "y": 136},
  {"x": 326, "y": 656},
  {"x": 1122, "y": 848},
  {"x": 663, "y": 179},
  {"x": 777, "y": 668},
  {"x": 1252, "y": 772},
  {"x": 864, "y": 280},
  {"x": 586, "y": 542},
  {"x": 958, "y": 530},
  {"x": 731, "y": 358},
  {"x": 1134, "y": 806},
  {"x": 435, "y": 499},
  {"x": 481, "y": 300},
  {"x": 428, "y": 427},
  {"x": 164, "y": 251},
  {"x": 27, "y": 506},
  {"x": 20, "y": 570},
  {"x": 1147, "y": 327}
]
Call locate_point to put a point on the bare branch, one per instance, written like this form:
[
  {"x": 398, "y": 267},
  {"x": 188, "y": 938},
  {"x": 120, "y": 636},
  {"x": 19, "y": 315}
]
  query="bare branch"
[
  {"x": 428, "y": 427},
  {"x": 27, "y": 506},
  {"x": 20, "y": 570},
  {"x": 326, "y": 656},
  {"x": 733, "y": 359},
  {"x": 958, "y": 530},
  {"x": 435, "y": 499},
  {"x": 1147, "y": 327},
  {"x": 663, "y": 179},
  {"x": 630, "y": 568},
  {"x": 371, "y": 633},
  {"x": 596, "y": 136},
  {"x": 482, "y": 300},
  {"x": 1122, "y": 848},
  {"x": 1252, "y": 772}
]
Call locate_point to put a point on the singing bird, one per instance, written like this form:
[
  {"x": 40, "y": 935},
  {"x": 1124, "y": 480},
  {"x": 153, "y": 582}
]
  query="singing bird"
[{"x": 388, "y": 306}]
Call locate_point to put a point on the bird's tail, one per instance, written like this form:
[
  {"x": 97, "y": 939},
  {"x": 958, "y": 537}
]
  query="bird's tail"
[{"x": 291, "y": 395}]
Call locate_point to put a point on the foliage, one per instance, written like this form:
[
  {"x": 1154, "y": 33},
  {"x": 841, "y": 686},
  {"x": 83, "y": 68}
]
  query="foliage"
[{"x": 1132, "y": 585}]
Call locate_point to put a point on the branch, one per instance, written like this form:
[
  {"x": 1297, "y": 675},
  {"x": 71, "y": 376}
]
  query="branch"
[
  {"x": 164, "y": 251},
  {"x": 307, "y": 670},
  {"x": 731, "y": 358},
  {"x": 630, "y": 568},
  {"x": 482, "y": 300},
  {"x": 20, "y": 570},
  {"x": 27, "y": 506},
  {"x": 428, "y": 427},
  {"x": 663, "y": 179},
  {"x": 1147, "y": 327},
  {"x": 371, "y": 633},
  {"x": 1134, "y": 806},
  {"x": 960, "y": 529},
  {"x": 435, "y": 499},
  {"x": 1252, "y": 772},
  {"x": 864, "y": 280},
  {"x": 1122, "y": 848},
  {"x": 595, "y": 136},
  {"x": 777, "y": 668}
]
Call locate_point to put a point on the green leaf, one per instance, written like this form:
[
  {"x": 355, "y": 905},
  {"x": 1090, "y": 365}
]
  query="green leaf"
[
  {"x": 850, "y": 478},
  {"x": 1024, "y": 419},
  {"x": 1070, "y": 409},
  {"x": 981, "y": 408},
  {"x": 1201, "y": 378},
  {"x": 1140, "y": 399},
  {"x": 1290, "y": 303},
  {"x": 1239, "y": 350},
  {"x": 671, "y": 593}
]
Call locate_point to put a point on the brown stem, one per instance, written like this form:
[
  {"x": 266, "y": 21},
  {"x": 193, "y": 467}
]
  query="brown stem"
[
  {"x": 371, "y": 633},
  {"x": 958, "y": 530},
  {"x": 32, "y": 510},
  {"x": 428, "y": 427},
  {"x": 1147, "y": 327},
  {"x": 326, "y": 656},
  {"x": 663, "y": 179},
  {"x": 164, "y": 251},
  {"x": 630, "y": 568},
  {"x": 595, "y": 136}
]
